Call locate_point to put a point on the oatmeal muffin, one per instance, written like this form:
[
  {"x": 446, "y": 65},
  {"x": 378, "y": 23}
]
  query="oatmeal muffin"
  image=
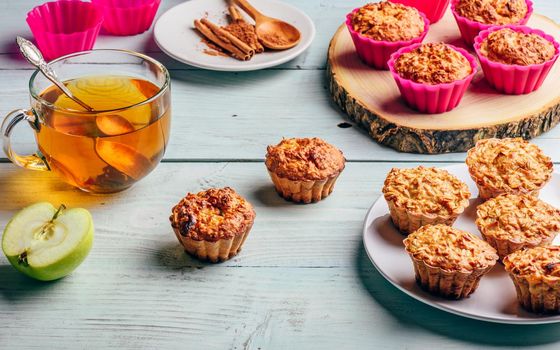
[
  {"x": 388, "y": 21},
  {"x": 511, "y": 222},
  {"x": 213, "y": 224},
  {"x": 492, "y": 11},
  {"x": 433, "y": 63},
  {"x": 508, "y": 46},
  {"x": 499, "y": 166},
  {"x": 535, "y": 272},
  {"x": 380, "y": 29},
  {"x": 421, "y": 196},
  {"x": 475, "y": 16},
  {"x": 304, "y": 170},
  {"x": 449, "y": 262}
]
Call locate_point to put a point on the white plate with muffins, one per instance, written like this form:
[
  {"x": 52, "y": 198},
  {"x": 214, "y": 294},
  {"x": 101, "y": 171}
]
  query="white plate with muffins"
[{"x": 462, "y": 272}]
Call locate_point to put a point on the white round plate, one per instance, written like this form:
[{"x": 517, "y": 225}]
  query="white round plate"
[
  {"x": 174, "y": 33},
  {"x": 493, "y": 301}
]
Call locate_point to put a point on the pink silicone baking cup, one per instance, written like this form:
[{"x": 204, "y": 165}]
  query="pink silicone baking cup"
[
  {"x": 127, "y": 17},
  {"x": 469, "y": 29},
  {"x": 65, "y": 26},
  {"x": 376, "y": 53},
  {"x": 428, "y": 98},
  {"x": 511, "y": 78},
  {"x": 433, "y": 9}
]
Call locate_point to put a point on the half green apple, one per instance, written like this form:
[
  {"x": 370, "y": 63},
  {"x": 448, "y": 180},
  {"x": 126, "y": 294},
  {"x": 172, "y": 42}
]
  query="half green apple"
[{"x": 47, "y": 243}]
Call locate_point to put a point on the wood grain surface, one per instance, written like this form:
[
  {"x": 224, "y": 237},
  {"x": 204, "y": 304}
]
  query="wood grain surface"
[
  {"x": 302, "y": 281},
  {"x": 371, "y": 98},
  {"x": 295, "y": 96}
]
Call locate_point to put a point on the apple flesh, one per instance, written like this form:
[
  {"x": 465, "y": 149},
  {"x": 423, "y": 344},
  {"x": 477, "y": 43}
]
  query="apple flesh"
[{"x": 47, "y": 243}]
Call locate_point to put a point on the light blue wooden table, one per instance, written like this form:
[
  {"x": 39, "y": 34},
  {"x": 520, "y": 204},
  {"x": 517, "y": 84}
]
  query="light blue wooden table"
[{"x": 303, "y": 280}]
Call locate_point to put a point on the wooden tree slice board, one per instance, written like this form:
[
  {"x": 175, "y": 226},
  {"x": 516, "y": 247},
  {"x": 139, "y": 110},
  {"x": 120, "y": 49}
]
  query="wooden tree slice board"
[{"x": 371, "y": 98}]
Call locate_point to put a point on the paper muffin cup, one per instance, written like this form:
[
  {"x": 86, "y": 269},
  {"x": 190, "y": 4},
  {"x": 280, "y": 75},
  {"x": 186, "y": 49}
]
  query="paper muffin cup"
[
  {"x": 220, "y": 250},
  {"x": 434, "y": 9},
  {"x": 125, "y": 17},
  {"x": 64, "y": 27},
  {"x": 303, "y": 191},
  {"x": 376, "y": 53},
  {"x": 470, "y": 29},
  {"x": 511, "y": 78},
  {"x": 408, "y": 222},
  {"x": 505, "y": 247},
  {"x": 432, "y": 99},
  {"x": 447, "y": 284}
]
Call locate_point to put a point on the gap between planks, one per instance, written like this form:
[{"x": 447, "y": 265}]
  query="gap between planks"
[
  {"x": 254, "y": 160},
  {"x": 224, "y": 160}
]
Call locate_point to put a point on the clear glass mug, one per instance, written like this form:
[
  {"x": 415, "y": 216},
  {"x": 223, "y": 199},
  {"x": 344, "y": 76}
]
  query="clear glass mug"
[{"x": 114, "y": 146}]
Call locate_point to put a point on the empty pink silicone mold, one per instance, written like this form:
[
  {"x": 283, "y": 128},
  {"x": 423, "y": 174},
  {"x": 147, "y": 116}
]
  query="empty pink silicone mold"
[
  {"x": 65, "y": 26},
  {"x": 127, "y": 17},
  {"x": 433, "y": 9}
]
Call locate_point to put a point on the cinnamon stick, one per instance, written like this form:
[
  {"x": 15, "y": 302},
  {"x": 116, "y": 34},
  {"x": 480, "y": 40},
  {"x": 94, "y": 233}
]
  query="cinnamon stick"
[
  {"x": 234, "y": 14},
  {"x": 228, "y": 37},
  {"x": 224, "y": 44}
]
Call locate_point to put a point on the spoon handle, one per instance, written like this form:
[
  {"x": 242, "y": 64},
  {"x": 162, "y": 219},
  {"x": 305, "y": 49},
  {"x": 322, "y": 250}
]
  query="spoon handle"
[
  {"x": 253, "y": 12},
  {"x": 34, "y": 56},
  {"x": 48, "y": 72}
]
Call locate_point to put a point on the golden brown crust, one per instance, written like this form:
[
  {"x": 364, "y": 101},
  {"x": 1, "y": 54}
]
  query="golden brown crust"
[
  {"x": 518, "y": 218},
  {"x": 304, "y": 159},
  {"x": 538, "y": 264},
  {"x": 511, "y": 47},
  {"x": 535, "y": 272},
  {"x": 493, "y": 11},
  {"x": 450, "y": 249},
  {"x": 426, "y": 190},
  {"x": 433, "y": 63},
  {"x": 388, "y": 21},
  {"x": 212, "y": 215},
  {"x": 510, "y": 165}
]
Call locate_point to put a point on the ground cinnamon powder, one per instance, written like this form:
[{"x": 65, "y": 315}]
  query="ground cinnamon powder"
[{"x": 274, "y": 39}]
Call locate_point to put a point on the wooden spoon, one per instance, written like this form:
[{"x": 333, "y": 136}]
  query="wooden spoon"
[{"x": 272, "y": 32}]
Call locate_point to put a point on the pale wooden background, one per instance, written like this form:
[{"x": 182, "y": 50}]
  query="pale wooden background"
[{"x": 303, "y": 280}]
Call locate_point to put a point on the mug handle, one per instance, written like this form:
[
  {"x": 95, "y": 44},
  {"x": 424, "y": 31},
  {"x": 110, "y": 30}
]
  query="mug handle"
[{"x": 33, "y": 161}]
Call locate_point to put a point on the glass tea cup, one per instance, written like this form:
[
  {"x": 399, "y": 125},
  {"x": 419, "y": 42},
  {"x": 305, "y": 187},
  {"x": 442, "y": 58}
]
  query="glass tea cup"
[{"x": 110, "y": 148}]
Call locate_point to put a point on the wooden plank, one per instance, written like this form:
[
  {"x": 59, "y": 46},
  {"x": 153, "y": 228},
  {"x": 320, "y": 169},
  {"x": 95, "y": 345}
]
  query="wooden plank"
[
  {"x": 136, "y": 221},
  {"x": 303, "y": 280},
  {"x": 241, "y": 112},
  {"x": 223, "y": 116},
  {"x": 327, "y": 15}
]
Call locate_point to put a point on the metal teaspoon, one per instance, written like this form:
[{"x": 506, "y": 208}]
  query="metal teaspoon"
[{"x": 34, "y": 56}]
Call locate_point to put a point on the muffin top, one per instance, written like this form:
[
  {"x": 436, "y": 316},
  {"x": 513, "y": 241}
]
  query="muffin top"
[
  {"x": 536, "y": 263},
  {"x": 511, "y": 47},
  {"x": 304, "y": 159},
  {"x": 211, "y": 215},
  {"x": 509, "y": 165},
  {"x": 388, "y": 21},
  {"x": 492, "y": 11},
  {"x": 433, "y": 63},
  {"x": 449, "y": 248},
  {"x": 518, "y": 218},
  {"x": 426, "y": 190}
]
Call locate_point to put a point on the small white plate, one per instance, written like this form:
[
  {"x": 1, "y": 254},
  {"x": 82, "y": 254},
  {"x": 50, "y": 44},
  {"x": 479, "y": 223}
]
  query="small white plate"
[
  {"x": 175, "y": 34},
  {"x": 493, "y": 301}
]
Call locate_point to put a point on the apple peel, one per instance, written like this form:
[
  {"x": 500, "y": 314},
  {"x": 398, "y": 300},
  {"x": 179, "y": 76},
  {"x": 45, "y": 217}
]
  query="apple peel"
[{"x": 47, "y": 243}]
